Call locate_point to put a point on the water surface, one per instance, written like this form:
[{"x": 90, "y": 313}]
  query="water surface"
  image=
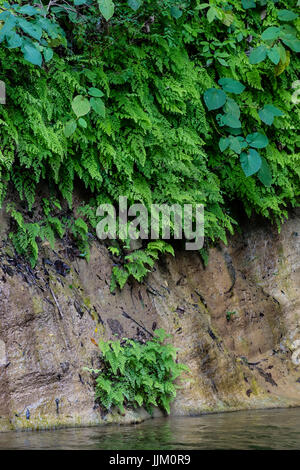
[{"x": 263, "y": 429}]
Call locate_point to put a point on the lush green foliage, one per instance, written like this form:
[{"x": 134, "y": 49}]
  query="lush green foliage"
[
  {"x": 135, "y": 374},
  {"x": 137, "y": 263},
  {"x": 26, "y": 234},
  {"x": 159, "y": 101}
]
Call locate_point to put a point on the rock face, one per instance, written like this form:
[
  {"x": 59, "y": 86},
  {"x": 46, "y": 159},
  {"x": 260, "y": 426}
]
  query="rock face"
[{"x": 235, "y": 323}]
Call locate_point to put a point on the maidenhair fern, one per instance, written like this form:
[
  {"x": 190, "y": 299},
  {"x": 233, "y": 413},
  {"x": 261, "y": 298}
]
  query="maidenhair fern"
[
  {"x": 134, "y": 374},
  {"x": 161, "y": 102}
]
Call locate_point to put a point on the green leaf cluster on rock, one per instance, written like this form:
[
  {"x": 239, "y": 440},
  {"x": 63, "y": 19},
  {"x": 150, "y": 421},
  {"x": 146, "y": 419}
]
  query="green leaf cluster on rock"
[{"x": 135, "y": 374}]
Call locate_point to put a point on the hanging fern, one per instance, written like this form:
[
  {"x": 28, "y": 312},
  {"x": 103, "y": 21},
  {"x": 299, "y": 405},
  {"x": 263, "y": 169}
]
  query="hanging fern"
[{"x": 121, "y": 106}]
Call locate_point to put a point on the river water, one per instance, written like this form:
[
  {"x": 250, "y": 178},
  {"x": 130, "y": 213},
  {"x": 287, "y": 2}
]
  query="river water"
[{"x": 263, "y": 429}]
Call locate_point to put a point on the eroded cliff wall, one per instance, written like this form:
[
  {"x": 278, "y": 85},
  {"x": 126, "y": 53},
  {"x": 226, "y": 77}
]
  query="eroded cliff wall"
[{"x": 243, "y": 360}]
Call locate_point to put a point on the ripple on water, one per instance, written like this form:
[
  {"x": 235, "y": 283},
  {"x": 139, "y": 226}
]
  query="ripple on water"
[{"x": 259, "y": 429}]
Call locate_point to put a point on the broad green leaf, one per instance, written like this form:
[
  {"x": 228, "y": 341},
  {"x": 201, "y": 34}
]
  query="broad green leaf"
[
  {"x": 266, "y": 116},
  {"x": 257, "y": 140},
  {"x": 287, "y": 31},
  {"x": 258, "y": 55},
  {"x": 293, "y": 44},
  {"x": 214, "y": 99},
  {"x": 271, "y": 33},
  {"x": 211, "y": 14},
  {"x": 242, "y": 142},
  {"x": 219, "y": 53},
  {"x": 223, "y": 62},
  {"x": 231, "y": 107},
  {"x": 231, "y": 86},
  {"x": 286, "y": 15},
  {"x": 268, "y": 112},
  {"x": 80, "y": 105},
  {"x": 248, "y": 4},
  {"x": 32, "y": 54},
  {"x": 98, "y": 106},
  {"x": 176, "y": 12},
  {"x": 282, "y": 53},
  {"x": 48, "y": 54},
  {"x": 53, "y": 30},
  {"x": 250, "y": 161},
  {"x": 95, "y": 92},
  {"x": 33, "y": 30},
  {"x": 284, "y": 60},
  {"x": 134, "y": 4},
  {"x": 82, "y": 122},
  {"x": 106, "y": 8},
  {"x": 274, "y": 110},
  {"x": 265, "y": 174},
  {"x": 80, "y": 2},
  {"x": 28, "y": 10},
  {"x": 235, "y": 144},
  {"x": 202, "y": 6},
  {"x": 234, "y": 131},
  {"x": 70, "y": 127},
  {"x": 274, "y": 55},
  {"x": 14, "y": 40},
  {"x": 8, "y": 26},
  {"x": 223, "y": 143},
  {"x": 231, "y": 120}
]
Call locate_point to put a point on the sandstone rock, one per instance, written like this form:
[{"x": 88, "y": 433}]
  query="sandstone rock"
[{"x": 47, "y": 321}]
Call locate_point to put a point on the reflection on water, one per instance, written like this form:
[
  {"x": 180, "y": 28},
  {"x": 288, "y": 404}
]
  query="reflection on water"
[{"x": 264, "y": 429}]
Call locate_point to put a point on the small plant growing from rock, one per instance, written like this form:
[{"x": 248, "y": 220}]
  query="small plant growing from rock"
[
  {"x": 135, "y": 374},
  {"x": 229, "y": 315}
]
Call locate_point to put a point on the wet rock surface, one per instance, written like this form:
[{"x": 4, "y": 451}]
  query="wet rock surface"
[{"x": 234, "y": 323}]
